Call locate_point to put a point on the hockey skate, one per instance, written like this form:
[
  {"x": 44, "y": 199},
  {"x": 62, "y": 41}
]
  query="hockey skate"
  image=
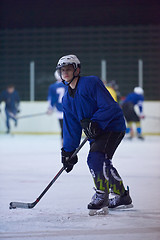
[
  {"x": 139, "y": 136},
  {"x": 121, "y": 202},
  {"x": 99, "y": 204}
]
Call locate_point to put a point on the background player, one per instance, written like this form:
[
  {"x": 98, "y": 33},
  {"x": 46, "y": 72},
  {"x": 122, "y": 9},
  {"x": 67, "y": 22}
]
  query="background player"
[
  {"x": 11, "y": 98},
  {"x": 113, "y": 88},
  {"x": 128, "y": 106},
  {"x": 89, "y": 106},
  {"x": 56, "y": 92}
]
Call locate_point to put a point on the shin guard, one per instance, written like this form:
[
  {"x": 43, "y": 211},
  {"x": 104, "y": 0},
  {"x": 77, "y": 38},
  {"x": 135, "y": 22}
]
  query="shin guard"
[
  {"x": 96, "y": 165},
  {"x": 115, "y": 181}
]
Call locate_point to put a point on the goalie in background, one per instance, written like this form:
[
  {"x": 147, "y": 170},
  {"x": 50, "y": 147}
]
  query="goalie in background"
[
  {"x": 12, "y": 100},
  {"x": 56, "y": 92},
  {"x": 128, "y": 107}
]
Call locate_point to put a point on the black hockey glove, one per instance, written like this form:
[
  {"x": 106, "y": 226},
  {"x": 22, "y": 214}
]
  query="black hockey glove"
[
  {"x": 91, "y": 129},
  {"x": 67, "y": 161}
]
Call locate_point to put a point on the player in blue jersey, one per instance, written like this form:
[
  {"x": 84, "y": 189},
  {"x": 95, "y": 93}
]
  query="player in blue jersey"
[
  {"x": 11, "y": 98},
  {"x": 132, "y": 99},
  {"x": 56, "y": 92},
  {"x": 89, "y": 106}
]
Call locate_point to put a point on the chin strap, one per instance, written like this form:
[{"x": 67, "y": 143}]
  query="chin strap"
[{"x": 67, "y": 84}]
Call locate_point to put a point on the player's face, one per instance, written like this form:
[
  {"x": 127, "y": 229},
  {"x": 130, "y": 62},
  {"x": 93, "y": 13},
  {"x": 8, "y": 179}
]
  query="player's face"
[
  {"x": 67, "y": 73},
  {"x": 10, "y": 89}
]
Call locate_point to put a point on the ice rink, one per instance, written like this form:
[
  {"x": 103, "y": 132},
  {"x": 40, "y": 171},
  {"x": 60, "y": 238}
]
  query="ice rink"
[{"x": 29, "y": 162}]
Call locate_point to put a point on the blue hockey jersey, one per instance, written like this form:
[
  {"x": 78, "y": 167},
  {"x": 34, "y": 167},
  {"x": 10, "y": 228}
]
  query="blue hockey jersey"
[
  {"x": 91, "y": 100},
  {"x": 11, "y": 100},
  {"x": 135, "y": 99},
  {"x": 56, "y": 92}
]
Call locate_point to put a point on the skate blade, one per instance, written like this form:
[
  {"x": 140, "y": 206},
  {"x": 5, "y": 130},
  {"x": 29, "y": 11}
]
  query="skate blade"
[
  {"x": 102, "y": 211},
  {"x": 122, "y": 207}
]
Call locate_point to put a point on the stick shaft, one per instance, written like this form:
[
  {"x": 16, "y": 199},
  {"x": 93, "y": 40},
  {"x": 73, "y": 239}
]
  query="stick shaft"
[
  {"x": 31, "y": 115},
  {"x": 153, "y": 117},
  {"x": 60, "y": 171},
  {"x": 31, "y": 205}
]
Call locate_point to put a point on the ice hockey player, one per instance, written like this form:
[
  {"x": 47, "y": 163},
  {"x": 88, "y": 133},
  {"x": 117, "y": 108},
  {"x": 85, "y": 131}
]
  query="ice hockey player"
[
  {"x": 128, "y": 107},
  {"x": 113, "y": 89},
  {"x": 89, "y": 106},
  {"x": 12, "y": 100},
  {"x": 56, "y": 92}
]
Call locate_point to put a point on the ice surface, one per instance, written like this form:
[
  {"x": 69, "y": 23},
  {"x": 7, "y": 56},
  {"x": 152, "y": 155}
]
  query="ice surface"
[{"x": 28, "y": 164}]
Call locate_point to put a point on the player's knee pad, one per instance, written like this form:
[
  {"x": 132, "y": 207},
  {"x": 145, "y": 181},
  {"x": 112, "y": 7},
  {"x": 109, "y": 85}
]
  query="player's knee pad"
[
  {"x": 139, "y": 130},
  {"x": 111, "y": 173},
  {"x": 114, "y": 179},
  {"x": 129, "y": 126},
  {"x": 138, "y": 126},
  {"x": 95, "y": 161},
  {"x": 128, "y": 130}
]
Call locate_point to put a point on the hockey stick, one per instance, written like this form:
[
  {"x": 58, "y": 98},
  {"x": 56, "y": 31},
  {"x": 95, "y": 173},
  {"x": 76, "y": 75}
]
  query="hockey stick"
[
  {"x": 31, "y": 205},
  {"x": 32, "y": 115},
  {"x": 153, "y": 117}
]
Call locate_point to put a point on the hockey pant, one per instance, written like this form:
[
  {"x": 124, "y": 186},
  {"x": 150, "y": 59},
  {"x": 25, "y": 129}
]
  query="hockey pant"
[
  {"x": 61, "y": 126},
  {"x": 131, "y": 117},
  {"x": 100, "y": 163}
]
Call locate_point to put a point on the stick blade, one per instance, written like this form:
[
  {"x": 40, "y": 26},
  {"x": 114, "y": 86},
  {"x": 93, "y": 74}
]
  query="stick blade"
[{"x": 14, "y": 205}]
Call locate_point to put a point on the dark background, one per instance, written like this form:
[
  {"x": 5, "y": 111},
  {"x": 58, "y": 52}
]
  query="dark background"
[
  {"x": 119, "y": 31},
  {"x": 70, "y": 13}
]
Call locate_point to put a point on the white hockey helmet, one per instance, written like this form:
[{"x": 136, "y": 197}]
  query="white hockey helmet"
[
  {"x": 138, "y": 90},
  {"x": 68, "y": 60}
]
